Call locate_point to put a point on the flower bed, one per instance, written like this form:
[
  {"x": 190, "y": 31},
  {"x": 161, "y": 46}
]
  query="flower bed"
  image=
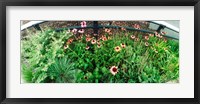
[{"x": 112, "y": 57}]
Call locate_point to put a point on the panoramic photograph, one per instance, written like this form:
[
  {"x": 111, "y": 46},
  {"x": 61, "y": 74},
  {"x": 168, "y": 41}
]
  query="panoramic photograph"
[{"x": 99, "y": 51}]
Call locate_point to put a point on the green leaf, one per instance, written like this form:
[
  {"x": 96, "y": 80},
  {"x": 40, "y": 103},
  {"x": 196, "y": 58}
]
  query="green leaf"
[
  {"x": 105, "y": 70},
  {"x": 140, "y": 79},
  {"x": 96, "y": 81},
  {"x": 131, "y": 81},
  {"x": 41, "y": 77},
  {"x": 85, "y": 66}
]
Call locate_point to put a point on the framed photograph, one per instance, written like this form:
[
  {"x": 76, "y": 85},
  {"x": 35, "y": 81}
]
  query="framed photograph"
[{"x": 72, "y": 51}]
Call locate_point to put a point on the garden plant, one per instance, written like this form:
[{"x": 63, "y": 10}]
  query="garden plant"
[{"x": 75, "y": 56}]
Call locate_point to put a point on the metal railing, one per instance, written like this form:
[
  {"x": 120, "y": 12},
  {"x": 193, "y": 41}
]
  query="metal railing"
[{"x": 96, "y": 27}]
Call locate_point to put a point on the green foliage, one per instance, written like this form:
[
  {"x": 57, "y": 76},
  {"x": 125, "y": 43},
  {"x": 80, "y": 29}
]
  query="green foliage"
[
  {"x": 140, "y": 60},
  {"x": 62, "y": 71},
  {"x": 39, "y": 51}
]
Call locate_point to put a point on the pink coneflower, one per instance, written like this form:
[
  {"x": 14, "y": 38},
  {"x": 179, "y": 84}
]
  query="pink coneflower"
[
  {"x": 104, "y": 38},
  {"x": 136, "y": 39},
  {"x": 165, "y": 40},
  {"x": 132, "y": 36},
  {"x": 136, "y": 26},
  {"x": 117, "y": 49},
  {"x": 66, "y": 46},
  {"x": 69, "y": 41},
  {"x": 113, "y": 70},
  {"x": 87, "y": 47},
  {"x": 93, "y": 41},
  {"x": 107, "y": 30},
  {"x": 146, "y": 44},
  {"x": 81, "y": 31},
  {"x": 98, "y": 45},
  {"x": 83, "y": 24},
  {"x": 146, "y": 37},
  {"x": 74, "y": 31},
  {"x": 163, "y": 33},
  {"x": 110, "y": 33},
  {"x": 123, "y": 29},
  {"x": 95, "y": 34},
  {"x": 157, "y": 34},
  {"x": 88, "y": 39},
  {"x": 87, "y": 35},
  {"x": 98, "y": 41},
  {"x": 123, "y": 45},
  {"x": 160, "y": 36},
  {"x": 151, "y": 35}
]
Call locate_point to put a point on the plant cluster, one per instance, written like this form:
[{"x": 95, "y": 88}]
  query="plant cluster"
[{"x": 77, "y": 57}]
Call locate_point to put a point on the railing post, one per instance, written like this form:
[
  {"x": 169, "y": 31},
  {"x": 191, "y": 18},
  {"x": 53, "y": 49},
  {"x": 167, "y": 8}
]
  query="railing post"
[
  {"x": 37, "y": 27},
  {"x": 95, "y": 28},
  {"x": 160, "y": 28}
]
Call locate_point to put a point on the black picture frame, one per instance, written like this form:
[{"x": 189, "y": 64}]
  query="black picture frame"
[{"x": 5, "y": 3}]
